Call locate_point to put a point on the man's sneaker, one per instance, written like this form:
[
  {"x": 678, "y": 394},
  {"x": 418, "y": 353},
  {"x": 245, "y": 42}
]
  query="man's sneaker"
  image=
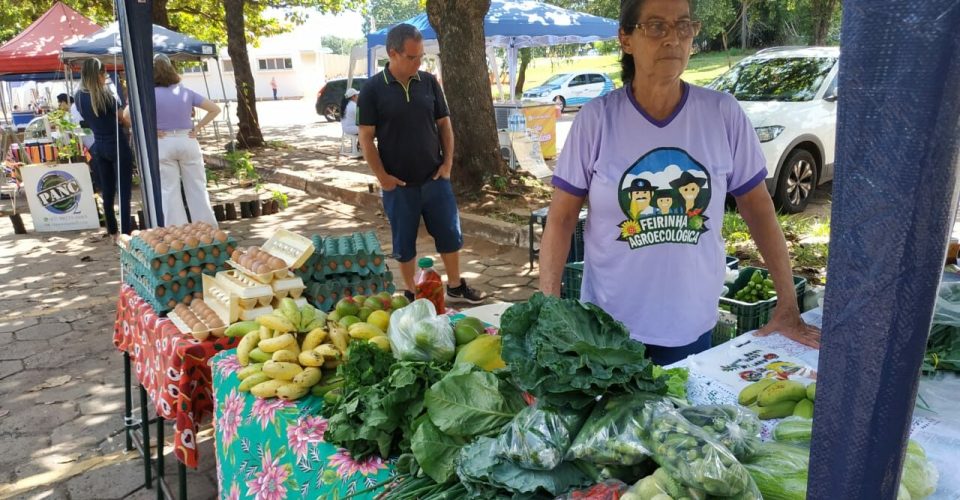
[
  {"x": 464, "y": 293},
  {"x": 409, "y": 295}
]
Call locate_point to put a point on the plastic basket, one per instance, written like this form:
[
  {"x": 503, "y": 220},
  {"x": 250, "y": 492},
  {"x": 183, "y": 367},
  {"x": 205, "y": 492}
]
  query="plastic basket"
[
  {"x": 572, "y": 278},
  {"x": 737, "y": 317},
  {"x": 576, "y": 246}
]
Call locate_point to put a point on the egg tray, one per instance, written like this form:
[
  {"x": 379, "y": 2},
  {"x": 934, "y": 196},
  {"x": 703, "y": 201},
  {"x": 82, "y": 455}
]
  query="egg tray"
[
  {"x": 225, "y": 304},
  {"x": 201, "y": 334},
  {"x": 159, "y": 304},
  {"x": 146, "y": 283},
  {"x": 265, "y": 278},
  {"x": 254, "y": 313},
  {"x": 356, "y": 253},
  {"x": 249, "y": 292},
  {"x": 147, "y": 276},
  {"x": 290, "y": 247},
  {"x": 160, "y": 263},
  {"x": 290, "y": 285}
]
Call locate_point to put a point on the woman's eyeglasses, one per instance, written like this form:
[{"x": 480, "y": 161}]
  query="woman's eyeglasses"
[{"x": 660, "y": 29}]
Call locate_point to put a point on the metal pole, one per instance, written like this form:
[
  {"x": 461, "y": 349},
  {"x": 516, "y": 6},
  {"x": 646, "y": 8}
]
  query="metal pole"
[
  {"x": 895, "y": 189},
  {"x": 145, "y": 432}
]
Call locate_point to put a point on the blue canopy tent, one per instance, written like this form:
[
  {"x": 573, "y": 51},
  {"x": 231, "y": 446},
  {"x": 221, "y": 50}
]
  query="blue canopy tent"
[{"x": 515, "y": 24}]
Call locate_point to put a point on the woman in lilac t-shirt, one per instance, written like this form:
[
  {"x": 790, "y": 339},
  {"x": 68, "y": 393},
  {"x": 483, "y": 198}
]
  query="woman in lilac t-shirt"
[
  {"x": 181, "y": 161},
  {"x": 662, "y": 145}
]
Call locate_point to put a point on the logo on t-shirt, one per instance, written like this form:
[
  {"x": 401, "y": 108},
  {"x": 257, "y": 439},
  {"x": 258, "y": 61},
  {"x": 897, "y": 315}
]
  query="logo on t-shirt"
[{"x": 664, "y": 195}]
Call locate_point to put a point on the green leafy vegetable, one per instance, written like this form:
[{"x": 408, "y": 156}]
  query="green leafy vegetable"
[
  {"x": 436, "y": 452},
  {"x": 469, "y": 402},
  {"x": 487, "y": 476},
  {"x": 675, "y": 378},
  {"x": 568, "y": 353},
  {"x": 368, "y": 364}
]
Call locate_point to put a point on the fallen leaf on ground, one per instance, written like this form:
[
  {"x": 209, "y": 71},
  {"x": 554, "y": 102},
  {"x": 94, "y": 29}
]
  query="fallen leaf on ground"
[{"x": 51, "y": 382}]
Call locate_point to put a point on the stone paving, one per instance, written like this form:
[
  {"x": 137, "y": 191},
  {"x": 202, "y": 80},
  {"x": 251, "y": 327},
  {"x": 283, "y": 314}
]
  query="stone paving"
[{"x": 61, "y": 378}]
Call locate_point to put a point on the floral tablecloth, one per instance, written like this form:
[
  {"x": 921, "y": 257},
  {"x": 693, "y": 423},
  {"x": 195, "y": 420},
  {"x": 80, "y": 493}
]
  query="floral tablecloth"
[
  {"x": 270, "y": 449},
  {"x": 170, "y": 365}
]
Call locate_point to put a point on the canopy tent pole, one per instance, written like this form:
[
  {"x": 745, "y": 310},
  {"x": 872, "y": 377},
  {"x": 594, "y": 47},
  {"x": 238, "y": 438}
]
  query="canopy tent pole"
[
  {"x": 494, "y": 69},
  {"x": 6, "y": 116},
  {"x": 371, "y": 60},
  {"x": 512, "y": 62},
  {"x": 203, "y": 71},
  {"x": 226, "y": 104}
]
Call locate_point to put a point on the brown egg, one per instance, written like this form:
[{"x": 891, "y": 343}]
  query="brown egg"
[
  {"x": 169, "y": 238},
  {"x": 161, "y": 291},
  {"x": 215, "y": 251},
  {"x": 183, "y": 273},
  {"x": 196, "y": 269},
  {"x": 191, "y": 241},
  {"x": 220, "y": 236},
  {"x": 211, "y": 267},
  {"x": 185, "y": 257},
  {"x": 230, "y": 249},
  {"x": 198, "y": 295},
  {"x": 171, "y": 303},
  {"x": 166, "y": 277},
  {"x": 261, "y": 269},
  {"x": 171, "y": 261},
  {"x": 201, "y": 254},
  {"x": 277, "y": 263},
  {"x": 191, "y": 283},
  {"x": 155, "y": 264},
  {"x": 175, "y": 287},
  {"x": 187, "y": 299},
  {"x": 179, "y": 309},
  {"x": 176, "y": 244},
  {"x": 206, "y": 239},
  {"x": 162, "y": 248},
  {"x": 235, "y": 255}
]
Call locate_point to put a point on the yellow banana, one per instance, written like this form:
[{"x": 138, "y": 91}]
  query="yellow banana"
[
  {"x": 331, "y": 364},
  {"x": 249, "y": 382},
  {"x": 313, "y": 339},
  {"x": 265, "y": 333},
  {"x": 285, "y": 355},
  {"x": 266, "y": 389},
  {"x": 340, "y": 338},
  {"x": 308, "y": 377},
  {"x": 250, "y": 370},
  {"x": 247, "y": 343},
  {"x": 241, "y": 328},
  {"x": 276, "y": 322},
  {"x": 318, "y": 321},
  {"x": 258, "y": 356},
  {"x": 310, "y": 358},
  {"x": 291, "y": 391},
  {"x": 277, "y": 343},
  {"x": 279, "y": 370},
  {"x": 382, "y": 342},
  {"x": 328, "y": 351}
]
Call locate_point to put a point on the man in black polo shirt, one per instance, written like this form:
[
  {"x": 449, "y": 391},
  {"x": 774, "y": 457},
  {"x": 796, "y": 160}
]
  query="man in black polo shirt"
[{"x": 404, "y": 109}]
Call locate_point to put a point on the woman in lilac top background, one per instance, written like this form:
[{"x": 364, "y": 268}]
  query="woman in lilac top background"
[
  {"x": 181, "y": 161},
  {"x": 661, "y": 274}
]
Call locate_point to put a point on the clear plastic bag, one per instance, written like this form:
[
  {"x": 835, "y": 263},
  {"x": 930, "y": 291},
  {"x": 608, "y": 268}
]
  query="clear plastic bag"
[
  {"x": 416, "y": 333},
  {"x": 691, "y": 455},
  {"x": 946, "y": 310},
  {"x": 538, "y": 437},
  {"x": 734, "y": 426},
  {"x": 661, "y": 485},
  {"x": 780, "y": 470},
  {"x": 919, "y": 476},
  {"x": 612, "y": 433}
]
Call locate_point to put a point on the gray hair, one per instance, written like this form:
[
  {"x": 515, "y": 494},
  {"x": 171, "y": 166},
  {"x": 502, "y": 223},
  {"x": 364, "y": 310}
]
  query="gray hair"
[{"x": 399, "y": 34}]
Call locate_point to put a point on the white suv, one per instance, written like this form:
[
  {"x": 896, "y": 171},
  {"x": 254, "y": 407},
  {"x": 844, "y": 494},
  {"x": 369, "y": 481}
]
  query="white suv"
[
  {"x": 571, "y": 89},
  {"x": 790, "y": 94}
]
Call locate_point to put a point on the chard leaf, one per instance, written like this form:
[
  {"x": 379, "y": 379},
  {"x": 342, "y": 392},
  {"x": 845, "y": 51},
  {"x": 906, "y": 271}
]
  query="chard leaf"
[
  {"x": 469, "y": 402},
  {"x": 435, "y": 451}
]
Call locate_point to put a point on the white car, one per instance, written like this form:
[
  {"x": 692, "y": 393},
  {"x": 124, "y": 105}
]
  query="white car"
[
  {"x": 790, "y": 94},
  {"x": 571, "y": 89}
]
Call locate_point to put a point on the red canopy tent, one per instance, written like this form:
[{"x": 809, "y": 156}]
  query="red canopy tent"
[{"x": 37, "y": 49}]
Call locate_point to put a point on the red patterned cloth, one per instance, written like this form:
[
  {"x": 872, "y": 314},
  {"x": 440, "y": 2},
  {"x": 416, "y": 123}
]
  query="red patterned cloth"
[{"x": 172, "y": 366}]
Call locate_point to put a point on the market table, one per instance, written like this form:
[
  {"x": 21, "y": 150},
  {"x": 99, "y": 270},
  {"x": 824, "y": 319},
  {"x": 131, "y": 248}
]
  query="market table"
[
  {"x": 171, "y": 366},
  {"x": 718, "y": 375}
]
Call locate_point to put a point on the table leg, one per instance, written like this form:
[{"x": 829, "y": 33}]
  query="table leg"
[
  {"x": 160, "y": 470},
  {"x": 182, "y": 479},
  {"x": 128, "y": 402},
  {"x": 530, "y": 229},
  {"x": 145, "y": 430}
]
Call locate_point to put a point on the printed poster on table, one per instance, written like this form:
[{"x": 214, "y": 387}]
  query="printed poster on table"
[
  {"x": 60, "y": 197},
  {"x": 748, "y": 359}
]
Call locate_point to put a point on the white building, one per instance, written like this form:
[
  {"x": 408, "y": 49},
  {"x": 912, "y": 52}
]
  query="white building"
[{"x": 295, "y": 59}]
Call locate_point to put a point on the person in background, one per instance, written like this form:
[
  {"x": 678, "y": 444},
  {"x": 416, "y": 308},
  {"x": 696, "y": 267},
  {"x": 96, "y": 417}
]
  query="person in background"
[
  {"x": 181, "y": 161},
  {"x": 112, "y": 156},
  {"x": 348, "y": 122},
  {"x": 404, "y": 109},
  {"x": 658, "y": 127},
  {"x": 273, "y": 87},
  {"x": 64, "y": 102}
]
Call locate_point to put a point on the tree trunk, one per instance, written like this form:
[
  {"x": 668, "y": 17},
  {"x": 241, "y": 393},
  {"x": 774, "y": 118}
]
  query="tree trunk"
[
  {"x": 159, "y": 13},
  {"x": 525, "y": 57},
  {"x": 744, "y": 27},
  {"x": 459, "y": 27},
  {"x": 822, "y": 18},
  {"x": 248, "y": 124}
]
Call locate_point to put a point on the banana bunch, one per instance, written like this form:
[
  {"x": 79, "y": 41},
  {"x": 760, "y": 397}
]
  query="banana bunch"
[
  {"x": 284, "y": 352},
  {"x": 770, "y": 398}
]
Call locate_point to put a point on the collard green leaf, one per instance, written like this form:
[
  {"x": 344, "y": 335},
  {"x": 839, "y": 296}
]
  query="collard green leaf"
[
  {"x": 480, "y": 469},
  {"x": 469, "y": 402},
  {"x": 435, "y": 451}
]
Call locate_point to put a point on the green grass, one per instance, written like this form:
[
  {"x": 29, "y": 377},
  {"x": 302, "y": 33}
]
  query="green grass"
[{"x": 702, "y": 68}]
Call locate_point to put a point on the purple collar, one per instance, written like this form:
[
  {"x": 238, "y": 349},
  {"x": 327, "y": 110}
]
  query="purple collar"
[{"x": 660, "y": 123}]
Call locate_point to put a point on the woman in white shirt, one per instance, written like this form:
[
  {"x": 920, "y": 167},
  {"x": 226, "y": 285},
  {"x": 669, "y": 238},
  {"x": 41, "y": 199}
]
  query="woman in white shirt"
[{"x": 349, "y": 119}]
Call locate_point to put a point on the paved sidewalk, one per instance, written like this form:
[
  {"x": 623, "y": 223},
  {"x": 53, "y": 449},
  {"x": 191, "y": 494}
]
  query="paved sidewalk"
[{"x": 61, "y": 378}]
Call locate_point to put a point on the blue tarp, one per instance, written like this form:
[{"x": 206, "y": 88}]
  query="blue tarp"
[
  {"x": 513, "y": 23},
  {"x": 106, "y": 43}
]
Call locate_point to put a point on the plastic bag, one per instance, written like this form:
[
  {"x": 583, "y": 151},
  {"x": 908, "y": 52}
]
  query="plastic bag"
[
  {"x": 612, "y": 433},
  {"x": 691, "y": 455},
  {"x": 796, "y": 430},
  {"x": 416, "y": 333},
  {"x": 660, "y": 483},
  {"x": 919, "y": 476},
  {"x": 734, "y": 426},
  {"x": 611, "y": 489},
  {"x": 780, "y": 470},
  {"x": 946, "y": 310},
  {"x": 538, "y": 437}
]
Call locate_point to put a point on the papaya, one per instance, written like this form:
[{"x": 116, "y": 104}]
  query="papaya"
[
  {"x": 782, "y": 390},
  {"x": 484, "y": 351}
]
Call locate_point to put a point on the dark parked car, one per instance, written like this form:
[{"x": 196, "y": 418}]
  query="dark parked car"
[{"x": 330, "y": 99}]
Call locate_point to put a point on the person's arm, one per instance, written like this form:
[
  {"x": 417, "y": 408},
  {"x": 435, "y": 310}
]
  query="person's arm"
[
  {"x": 555, "y": 245},
  {"x": 125, "y": 117},
  {"x": 212, "y": 110},
  {"x": 446, "y": 142},
  {"x": 757, "y": 211},
  {"x": 372, "y": 156}
]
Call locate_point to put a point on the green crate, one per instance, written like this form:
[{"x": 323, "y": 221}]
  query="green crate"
[
  {"x": 572, "y": 278},
  {"x": 742, "y": 317}
]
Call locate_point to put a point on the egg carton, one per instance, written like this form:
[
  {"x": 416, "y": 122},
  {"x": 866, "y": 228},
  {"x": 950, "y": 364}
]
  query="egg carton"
[
  {"x": 160, "y": 304},
  {"x": 325, "y": 295},
  {"x": 289, "y": 285},
  {"x": 134, "y": 269},
  {"x": 224, "y": 303},
  {"x": 175, "y": 261},
  {"x": 249, "y": 291},
  {"x": 292, "y": 248},
  {"x": 254, "y": 313},
  {"x": 201, "y": 334},
  {"x": 358, "y": 253}
]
